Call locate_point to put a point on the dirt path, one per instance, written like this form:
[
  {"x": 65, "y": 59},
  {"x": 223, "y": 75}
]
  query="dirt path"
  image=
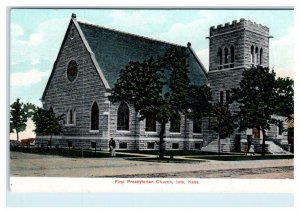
[{"x": 24, "y": 164}]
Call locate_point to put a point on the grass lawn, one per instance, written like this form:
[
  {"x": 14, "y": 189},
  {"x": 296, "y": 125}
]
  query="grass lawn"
[
  {"x": 175, "y": 152},
  {"x": 72, "y": 153},
  {"x": 243, "y": 157},
  {"x": 77, "y": 153},
  {"x": 164, "y": 160}
]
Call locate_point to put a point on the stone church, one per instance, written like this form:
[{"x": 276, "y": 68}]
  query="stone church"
[{"x": 89, "y": 63}]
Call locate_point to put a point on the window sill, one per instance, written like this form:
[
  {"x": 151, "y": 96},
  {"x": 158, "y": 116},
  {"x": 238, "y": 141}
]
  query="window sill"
[
  {"x": 123, "y": 131},
  {"x": 94, "y": 131},
  {"x": 150, "y": 133},
  {"x": 175, "y": 133},
  {"x": 70, "y": 124},
  {"x": 197, "y": 134}
]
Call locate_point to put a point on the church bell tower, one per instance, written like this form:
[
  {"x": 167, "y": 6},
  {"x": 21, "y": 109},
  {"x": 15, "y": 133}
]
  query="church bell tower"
[{"x": 234, "y": 47}]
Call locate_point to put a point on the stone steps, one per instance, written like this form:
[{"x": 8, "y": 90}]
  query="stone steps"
[{"x": 213, "y": 147}]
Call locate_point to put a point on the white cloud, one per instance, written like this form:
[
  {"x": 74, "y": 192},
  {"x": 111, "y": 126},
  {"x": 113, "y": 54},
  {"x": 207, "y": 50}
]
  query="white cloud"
[
  {"x": 34, "y": 39},
  {"x": 28, "y": 78},
  {"x": 284, "y": 72},
  {"x": 139, "y": 18},
  {"x": 282, "y": 54},
  {"x": 41, "y": 44},
  {"x": 194, "y": 31},
  {"x": 288, "y": 39},
  {"x": 203, "y": 55},
  {"x": 34, "y": 61},
  {"x": 16, "y": 30}
]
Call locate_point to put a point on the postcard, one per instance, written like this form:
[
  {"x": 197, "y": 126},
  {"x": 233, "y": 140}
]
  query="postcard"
[{"x": 152, "y": 101}]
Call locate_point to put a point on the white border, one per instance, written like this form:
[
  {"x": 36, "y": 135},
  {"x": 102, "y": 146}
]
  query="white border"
[{"x": 120, "y": 3}]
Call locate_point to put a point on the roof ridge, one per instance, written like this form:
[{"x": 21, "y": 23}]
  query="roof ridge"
[{"x": 131, "y": 34}]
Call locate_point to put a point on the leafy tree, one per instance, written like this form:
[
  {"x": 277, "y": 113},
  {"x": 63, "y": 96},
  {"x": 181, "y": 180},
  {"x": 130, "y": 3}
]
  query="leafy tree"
[
  {"x": 157, "y": 87},
  {"x": 285, "y": 104},
  {"x": 19, "y": 114},
  {"x": 284, "y": 88},
  {"x": 198, "y": 100},
  {"x": 257, "y": 98},
  {"x": 47, "y": 123},
  {"x": 222, "y": 121}
]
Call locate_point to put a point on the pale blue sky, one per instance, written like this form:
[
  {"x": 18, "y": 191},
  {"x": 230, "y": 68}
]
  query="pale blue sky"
[{"x": 36, "y": 35}]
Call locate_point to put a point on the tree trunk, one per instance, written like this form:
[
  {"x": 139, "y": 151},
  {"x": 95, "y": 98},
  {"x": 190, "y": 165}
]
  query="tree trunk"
[
  {"x": 161, "y": 139},
  {"x": 263, "y": 151},
  {"x": 17, "y": 135},
  {"x": 50, "y": 142},
  {"x": 219, "y": 145}
]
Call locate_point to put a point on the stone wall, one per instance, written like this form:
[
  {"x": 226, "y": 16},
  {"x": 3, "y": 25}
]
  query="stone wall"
[
  {"x": 78, "y": 95},
  {"x": 241, "y": 35}
]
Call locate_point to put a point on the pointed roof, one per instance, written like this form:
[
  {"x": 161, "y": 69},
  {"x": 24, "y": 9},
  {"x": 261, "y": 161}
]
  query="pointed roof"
[
  {"x": 111, "y": 50},
  {"x": 114, "y": 49}
]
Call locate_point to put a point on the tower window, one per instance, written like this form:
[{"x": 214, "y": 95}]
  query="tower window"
[
  {"x": 227, "y": 96},
  {"x": 252, "y": 55},
  {"x": 221, "y": 97},
  {"x": 256, "y": 55},
  {"x": 231, "y": 54},
  {"x": 261, "y": 56},
  {"x": 220, "y": 56},
  {"x": 226, "y": 55}
]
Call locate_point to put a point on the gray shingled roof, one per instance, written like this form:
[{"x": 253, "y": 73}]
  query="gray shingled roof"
[{"x": 114, "y": 49}]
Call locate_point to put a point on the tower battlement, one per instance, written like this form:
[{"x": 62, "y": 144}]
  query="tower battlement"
[{"x": 236, "y": 25}]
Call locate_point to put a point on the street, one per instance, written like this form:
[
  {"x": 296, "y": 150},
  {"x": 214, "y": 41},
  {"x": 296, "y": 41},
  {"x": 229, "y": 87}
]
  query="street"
[{"x": 26, "y": 164}]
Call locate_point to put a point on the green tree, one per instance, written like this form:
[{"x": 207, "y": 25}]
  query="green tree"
[
  {"x": 47, "y": 123},
  {"x": 285, "y": 104},
  {"x": 19, "y": 114},
  {"x": 199, "y": 100},
  {"x": 157, "y": 87},
  {"x": 222, "y": 121},
  {"x": 284, "y": 88},
  {"x": 257, "y": 98}
]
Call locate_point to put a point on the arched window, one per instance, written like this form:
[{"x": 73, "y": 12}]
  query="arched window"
[
  {"x": 252, "y": 55},
  {"x": 71, "y": 116},
  {"x": 95, "y": 117},
  {"x": 226, "y": 55},
  {"x": 175, "y": 124},
  {"x": 256, "y": 55},
  {"x": 150, "y": 125},
  {"x": 231, "y": 54},
  {"x": 123, "y": 117},
  {"x": 51, "y": 110},
  {"x": 71, "y": 120},
  {"x": 72, "y": 70},
  {"x": 220, "y": 56},
  {"x": 261, "y": 56},
  {"x": 255, "y": 133}
]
